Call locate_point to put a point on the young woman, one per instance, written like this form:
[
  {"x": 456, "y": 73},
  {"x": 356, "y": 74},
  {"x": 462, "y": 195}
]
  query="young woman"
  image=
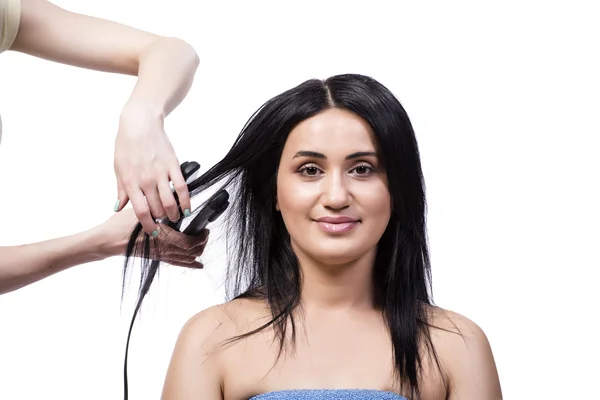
[{"x": 329, "y": 263}]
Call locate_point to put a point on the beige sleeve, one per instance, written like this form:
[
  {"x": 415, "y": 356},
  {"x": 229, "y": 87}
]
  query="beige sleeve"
[{"x": 10, "y": 16}]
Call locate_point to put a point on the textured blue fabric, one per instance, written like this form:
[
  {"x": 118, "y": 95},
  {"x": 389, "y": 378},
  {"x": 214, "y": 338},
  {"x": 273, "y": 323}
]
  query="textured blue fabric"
[{"x": 328, "y": 394}]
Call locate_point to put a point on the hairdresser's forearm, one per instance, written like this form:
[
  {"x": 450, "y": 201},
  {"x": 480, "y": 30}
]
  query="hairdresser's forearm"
[
  {"x": 26, "y": 264},
  {"x": 165, "y": 75}
]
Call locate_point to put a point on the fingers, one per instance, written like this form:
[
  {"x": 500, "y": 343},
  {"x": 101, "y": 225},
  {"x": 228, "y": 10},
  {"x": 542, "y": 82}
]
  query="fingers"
[
  {"x": 182, "y": 190},
  {"x": 122, "y": 197},
  {"x": 158, "y": 200},
  {"x": 149, "y": 200},
  {"x": 142, "y": 211},
  {"x": 186, "y": 244},
  {"x": 175, "y": 248},
  {"x": 176, "y": 257},
  {"x": 168, "y": 200},
  {"x": 150, "y": 191},
  {"x": 199, "y": 242}
]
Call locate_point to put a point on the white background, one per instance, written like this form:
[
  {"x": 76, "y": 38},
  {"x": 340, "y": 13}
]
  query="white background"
[{"x": 504, "y": 100}]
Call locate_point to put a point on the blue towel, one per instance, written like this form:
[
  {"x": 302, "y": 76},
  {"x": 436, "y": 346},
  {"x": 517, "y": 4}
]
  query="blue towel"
[{"x": 328, "y": 394}]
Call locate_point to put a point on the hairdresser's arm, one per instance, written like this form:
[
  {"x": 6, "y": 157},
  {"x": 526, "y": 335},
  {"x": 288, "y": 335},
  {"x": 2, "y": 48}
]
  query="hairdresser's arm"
[
  {"x": 144, "y": 158},
  {"x": 470, "y": 362},
  {"x": 23, "y": 265},
  {"x": 26, "y": 264},
  {"x": 195, "y": 370}
]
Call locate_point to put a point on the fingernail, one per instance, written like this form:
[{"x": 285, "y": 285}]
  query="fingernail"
[
  {"x": 117, "y": 204},
  {"x": 155, "y": 233},
  {"x": 187, "y": 212}
]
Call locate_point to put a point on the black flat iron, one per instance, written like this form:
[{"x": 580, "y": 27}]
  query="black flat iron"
[{"x": 211, "y": 210}]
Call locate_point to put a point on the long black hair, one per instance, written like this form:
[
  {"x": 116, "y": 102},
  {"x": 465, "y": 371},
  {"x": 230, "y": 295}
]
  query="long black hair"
[{"x": 261, "y": 262}]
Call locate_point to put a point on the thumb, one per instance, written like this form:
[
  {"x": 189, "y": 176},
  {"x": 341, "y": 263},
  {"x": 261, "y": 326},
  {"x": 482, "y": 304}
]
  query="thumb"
[{"x": 122, "y": 197}]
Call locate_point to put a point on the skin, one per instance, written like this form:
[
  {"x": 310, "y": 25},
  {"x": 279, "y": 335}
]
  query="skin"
[
  {"x": 37, "y": 261},
  {"x": 144, "y": 160},
  {"x": 342, "y": 340}
]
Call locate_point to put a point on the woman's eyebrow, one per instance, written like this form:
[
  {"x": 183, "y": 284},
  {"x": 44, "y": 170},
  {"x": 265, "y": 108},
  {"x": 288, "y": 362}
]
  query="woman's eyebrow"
[
  {"x": 361, "y": 154},
  {"x": 306, "y": 153},
  {"x": 314, "y": 154}
]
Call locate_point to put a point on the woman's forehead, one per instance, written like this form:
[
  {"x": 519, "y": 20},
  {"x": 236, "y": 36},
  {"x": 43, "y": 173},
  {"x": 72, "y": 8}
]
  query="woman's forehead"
[{"x": 332, "y": 130}]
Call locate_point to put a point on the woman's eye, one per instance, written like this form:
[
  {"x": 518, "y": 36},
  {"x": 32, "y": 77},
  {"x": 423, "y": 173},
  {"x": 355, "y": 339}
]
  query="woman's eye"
[
  {"x": 311, "y": 171},
  {"x": 363, "y": 170}
]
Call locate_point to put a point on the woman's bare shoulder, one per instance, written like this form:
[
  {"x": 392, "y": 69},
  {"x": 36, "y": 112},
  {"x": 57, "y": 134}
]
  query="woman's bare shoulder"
[
  {"x": 452, "y": 322},
  {"x": 197, "y": 365},
  {"x": 465, "y": 353},
  {"x": 223, "y": 321}
]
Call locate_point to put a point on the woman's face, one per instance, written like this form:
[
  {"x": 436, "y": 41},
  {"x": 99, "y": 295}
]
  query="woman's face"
[{"x": 331, "y": 190}]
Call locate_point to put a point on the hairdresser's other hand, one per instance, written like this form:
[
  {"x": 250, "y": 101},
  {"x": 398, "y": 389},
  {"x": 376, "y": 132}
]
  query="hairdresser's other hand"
[
  {"x": 175, "y": 247},
  {"x": 145, "y": 164}
]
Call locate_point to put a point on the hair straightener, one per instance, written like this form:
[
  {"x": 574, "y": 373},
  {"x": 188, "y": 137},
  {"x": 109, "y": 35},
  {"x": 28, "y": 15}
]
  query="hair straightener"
[
  {"x": 209, "y": 213},
  {"x": 211, "y": 210}
]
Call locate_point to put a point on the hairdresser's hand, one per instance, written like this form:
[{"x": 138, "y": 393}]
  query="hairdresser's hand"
[
  {"x": 175, "y": 247},
  {"x": 145, "y": 163}
]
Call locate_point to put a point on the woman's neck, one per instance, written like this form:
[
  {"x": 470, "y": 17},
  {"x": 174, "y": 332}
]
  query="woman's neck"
[{"x": 340, "y": 286}]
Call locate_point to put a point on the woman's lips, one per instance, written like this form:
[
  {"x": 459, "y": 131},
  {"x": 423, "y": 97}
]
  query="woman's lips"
[{"x": 338, "y": 224}]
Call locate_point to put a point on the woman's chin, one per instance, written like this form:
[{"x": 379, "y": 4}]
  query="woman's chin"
[
  {"x": 338, "y": 256},
  {"x": 335, "y": 252}
]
